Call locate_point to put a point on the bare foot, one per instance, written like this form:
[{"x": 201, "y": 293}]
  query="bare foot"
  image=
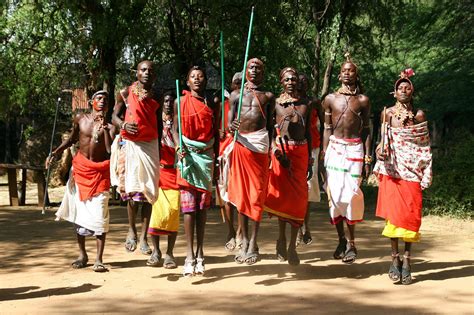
[{"x": 293, "y": 258}]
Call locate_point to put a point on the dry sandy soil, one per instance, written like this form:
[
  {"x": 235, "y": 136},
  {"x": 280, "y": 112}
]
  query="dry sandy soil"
[{"x": 36, "y": 277}]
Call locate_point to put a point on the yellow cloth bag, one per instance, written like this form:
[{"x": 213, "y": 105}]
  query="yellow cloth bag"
[{"x": 165, "y": 212}]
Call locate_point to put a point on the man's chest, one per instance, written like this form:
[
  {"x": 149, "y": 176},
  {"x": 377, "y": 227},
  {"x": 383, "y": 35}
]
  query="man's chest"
[{"x": 343, "y": 103}]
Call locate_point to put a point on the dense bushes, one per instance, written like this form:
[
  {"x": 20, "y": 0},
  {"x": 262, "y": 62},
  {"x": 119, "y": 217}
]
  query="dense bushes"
[{"x": 452, "y": 192}]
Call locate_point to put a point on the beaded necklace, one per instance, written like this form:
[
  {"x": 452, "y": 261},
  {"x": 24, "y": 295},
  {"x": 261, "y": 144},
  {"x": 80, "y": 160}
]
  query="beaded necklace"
[
  {"x": 140, "y": 92},
  {"x": 402, "y": 113}
]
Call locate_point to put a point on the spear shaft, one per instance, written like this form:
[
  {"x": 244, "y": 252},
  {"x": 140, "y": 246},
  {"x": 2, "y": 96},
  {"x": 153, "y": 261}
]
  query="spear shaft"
[{"x": 244, "y": 71}]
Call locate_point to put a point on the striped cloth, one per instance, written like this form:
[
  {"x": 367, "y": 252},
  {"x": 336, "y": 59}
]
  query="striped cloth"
[{"x": 344, "y": 160}]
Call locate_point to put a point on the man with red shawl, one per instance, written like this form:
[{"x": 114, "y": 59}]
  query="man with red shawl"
[
  {"x": 139, "y": 156},
  {"x": 200, "y": 138}
]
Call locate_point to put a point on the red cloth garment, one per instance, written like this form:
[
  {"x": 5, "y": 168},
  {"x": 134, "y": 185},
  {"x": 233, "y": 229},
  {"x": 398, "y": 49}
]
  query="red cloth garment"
[
  {"x": 315, "y": 136},
  {"x": 400, "y": 201},
  {"x": 224, "y": 143},
  {"x": 196, "y": 118},
  {"x": 287, "y": 195},
  {"x": 167, "y": 159},
  {"x": 142, "y": 112},
  {"x": 167, "y": 171},
  {"x": 226, "y": 113},
  {"x": 91, "y": 178},
  {"x": 248, "y": 180}
]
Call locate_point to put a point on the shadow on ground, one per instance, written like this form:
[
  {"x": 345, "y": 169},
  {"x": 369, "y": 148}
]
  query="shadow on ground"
[{"x": 32, "y": 292}]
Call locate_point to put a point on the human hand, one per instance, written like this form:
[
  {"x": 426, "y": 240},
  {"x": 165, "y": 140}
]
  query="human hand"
[
  {"x": 180, "y": 153},
  {"x": 322, "y": 172},
  {"x": 310, "y": 172},
  {"x": 131, "y": 128},
  {"x": 380, "y": 153},
  {"x": 321, "y": 156},
  {"x": 222, "y": 134},
  {"x": 234, "y": 126},
  {"x": 366, "y": 171},
  {"x": 284, "y": 161},
  {"x": 49, "y": 160}
]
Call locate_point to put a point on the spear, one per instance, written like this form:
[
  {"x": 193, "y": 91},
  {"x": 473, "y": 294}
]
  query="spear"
[
  {"x": 48, "y": 172},
  {"x": 180, "y": 135},
  {"x": 244, "y": 71},
  {"x": 384, "y": 130},
  {"x": 222, "y": 80}
]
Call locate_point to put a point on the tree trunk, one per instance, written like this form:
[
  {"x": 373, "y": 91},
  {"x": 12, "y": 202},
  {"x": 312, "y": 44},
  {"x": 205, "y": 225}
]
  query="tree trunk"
[
  {"x": 109, "y": 60},
  {"x": 327, "y": 77},
  {"x": 335, "y": 47},
  {"x": 319, "y": 19},
  {"x": 317, "y": 62}
]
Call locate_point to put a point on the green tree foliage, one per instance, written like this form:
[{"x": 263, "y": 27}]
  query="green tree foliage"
[
  {"x": 453, "y": 186},
  {"x": 49, "y": 45}
]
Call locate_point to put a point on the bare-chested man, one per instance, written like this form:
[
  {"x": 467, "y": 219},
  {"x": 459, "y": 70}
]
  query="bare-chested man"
[
  {"x": 346, "y": 138},
  {"x": 139, "y": 156},
  {"x": 287, "y": 196},
  {"x": 249, "y": 159},
  {"x": 85, "y": 201}
]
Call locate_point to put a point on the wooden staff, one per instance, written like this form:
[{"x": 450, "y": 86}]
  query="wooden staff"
[
  {"x": 222, "y": 82},
  {"x": 219, "y": 201},
  {"x": 48, "y": 172},
  {"x": 180, "y": 134},
  {"x": 384, "y": 130},
  {"x": 244, "y": 71},
  {"x": 280, "y": 139}
]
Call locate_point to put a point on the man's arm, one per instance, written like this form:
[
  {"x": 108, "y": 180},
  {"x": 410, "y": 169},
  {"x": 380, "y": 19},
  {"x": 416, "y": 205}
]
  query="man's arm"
[
  {"x": 73, "y": 138},
  {"x": 327, "y": 125},
  {"x": 379, "y": 151},
  {"x": 119, "y": 109},
  {"x": 309, "y": 108},
  {"x": 365, "y": 135},
  {"x": 319, "y": 110},
  {"x": 108, "y": 136},
  {"x": 217, "y": 124},
  {"x": 174, "y": 128},
  {"x": 270, "y": 115},
  {"x": 159, "y": 125},
  {"x": 232, "y": 114}
]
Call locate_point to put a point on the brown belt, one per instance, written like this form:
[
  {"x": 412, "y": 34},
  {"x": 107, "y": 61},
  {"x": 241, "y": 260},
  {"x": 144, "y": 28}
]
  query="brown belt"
[{"x": 167, "y": 166}]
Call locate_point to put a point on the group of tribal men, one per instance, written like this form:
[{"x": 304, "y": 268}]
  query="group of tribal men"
[{"x": 265, "y": 159}]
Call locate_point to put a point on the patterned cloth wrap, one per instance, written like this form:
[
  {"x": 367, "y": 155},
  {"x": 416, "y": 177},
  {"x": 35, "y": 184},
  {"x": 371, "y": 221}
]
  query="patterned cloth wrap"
[{"x": 409, "y": 154}]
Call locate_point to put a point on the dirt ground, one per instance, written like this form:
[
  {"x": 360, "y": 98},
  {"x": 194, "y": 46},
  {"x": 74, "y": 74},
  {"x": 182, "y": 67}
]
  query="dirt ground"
[{"x": 36, "y": 277}]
